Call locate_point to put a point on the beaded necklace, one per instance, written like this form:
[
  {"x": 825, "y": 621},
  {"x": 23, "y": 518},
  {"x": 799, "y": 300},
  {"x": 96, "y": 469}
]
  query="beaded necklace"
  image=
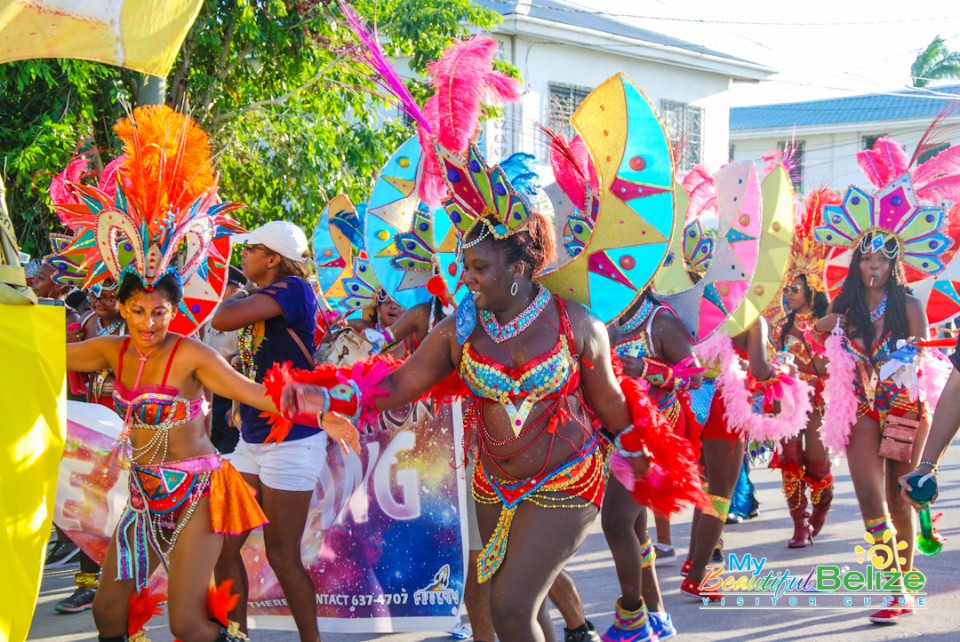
[
  {"x": 500, "y": 333},
  {"x": 637, "y": 319},
  {"x": 110, "y": 329},
  {"x": 877, "y": 314}
]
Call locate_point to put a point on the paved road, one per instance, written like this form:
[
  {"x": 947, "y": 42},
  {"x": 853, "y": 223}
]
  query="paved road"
[{"x": 764, "y": 536}]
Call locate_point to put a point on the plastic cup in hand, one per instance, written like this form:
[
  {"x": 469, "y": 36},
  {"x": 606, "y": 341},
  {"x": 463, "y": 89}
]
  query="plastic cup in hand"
[{"x": 924, "y": 488}]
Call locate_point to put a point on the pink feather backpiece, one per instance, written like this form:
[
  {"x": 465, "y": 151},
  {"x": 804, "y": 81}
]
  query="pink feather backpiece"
[
  {"x": 370, "y": 54},
  {"x": 572, "y": 167},
  {"x": 464, "y": 80},
  {"x": 702, "y": 189},
  {"x": 883, "y": 163}
]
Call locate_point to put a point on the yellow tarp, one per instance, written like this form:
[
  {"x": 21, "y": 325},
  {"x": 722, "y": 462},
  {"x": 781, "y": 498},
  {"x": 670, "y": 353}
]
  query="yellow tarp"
[
  {"x": 144, "y": 35},
  {"x": 32, "y": 432}
]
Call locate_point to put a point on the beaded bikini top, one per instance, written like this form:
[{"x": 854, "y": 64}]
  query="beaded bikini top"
[
  {"x": 640, "y": 345},
  {"x": 153, "y": 406},
  {"x": 551, "y": 375}
]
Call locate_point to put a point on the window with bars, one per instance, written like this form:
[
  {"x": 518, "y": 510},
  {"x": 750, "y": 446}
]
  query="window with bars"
[
  {"x": 684, "y": 125},
  {"x": 563, "y": 101},
  {"x": 794, "y": 160}
]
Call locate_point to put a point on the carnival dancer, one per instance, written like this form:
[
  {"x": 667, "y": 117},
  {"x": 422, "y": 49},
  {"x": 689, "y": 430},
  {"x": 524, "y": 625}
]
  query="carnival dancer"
[
  {"x": 876, "y": 407},
  {"x": 277, "y": 323},
  {"x": 803, "y": 461},
  {"x": 655, "y": 347},
  {"x": 183, "y": 497},
  {"x": 722, "y": 455}
]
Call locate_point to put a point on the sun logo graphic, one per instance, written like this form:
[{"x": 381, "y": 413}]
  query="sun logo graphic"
[{"x": 881, "y": 555}]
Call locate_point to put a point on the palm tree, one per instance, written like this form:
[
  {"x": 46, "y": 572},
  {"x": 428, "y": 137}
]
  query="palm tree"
[{"x": 936, "y": 62}]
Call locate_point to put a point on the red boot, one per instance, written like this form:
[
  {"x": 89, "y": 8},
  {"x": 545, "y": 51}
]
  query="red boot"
[
  {"x": 794, "y": 489},
  {"x": 821, "y": 496}
]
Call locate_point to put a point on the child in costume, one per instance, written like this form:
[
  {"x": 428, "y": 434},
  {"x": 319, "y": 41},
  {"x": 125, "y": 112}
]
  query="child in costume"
[
  {"x": 877, "y": 404},
  {"x": 803, "y": 460},
  {"x": 152, "y": 237}
]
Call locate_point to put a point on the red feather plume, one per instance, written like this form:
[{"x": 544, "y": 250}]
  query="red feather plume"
[
  {"x": 220, "y": 601},
  {"x": 143, "y": 606}
]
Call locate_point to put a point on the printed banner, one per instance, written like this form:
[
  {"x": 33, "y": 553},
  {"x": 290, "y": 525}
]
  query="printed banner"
[
  {"x": 143, "y": 35},
  {"x": 92, "y": 488},
  {"x": 32, "y": 395},
  {"x": 385, "y": 542}
]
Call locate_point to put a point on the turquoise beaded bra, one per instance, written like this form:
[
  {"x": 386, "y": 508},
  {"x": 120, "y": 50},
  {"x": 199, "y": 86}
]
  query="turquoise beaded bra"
[{"x": 552, "y": 374}]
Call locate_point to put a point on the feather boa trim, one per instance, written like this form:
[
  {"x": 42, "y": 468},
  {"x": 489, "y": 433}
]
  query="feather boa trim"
[
  {"x": 360, "y": 385},
  {"x": 674, "y": 479},
  {"x": 733, "y": 385},
  {"x": 935, "y": 369},
  {"x": 840, "y": 402}
]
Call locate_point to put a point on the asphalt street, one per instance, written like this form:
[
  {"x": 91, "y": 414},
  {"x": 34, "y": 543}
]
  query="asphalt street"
[{"x": 762, "y": 537}]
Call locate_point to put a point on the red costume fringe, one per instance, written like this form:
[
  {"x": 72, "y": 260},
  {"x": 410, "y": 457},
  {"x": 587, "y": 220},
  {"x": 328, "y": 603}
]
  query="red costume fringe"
[{"x": 679, "y": 483}]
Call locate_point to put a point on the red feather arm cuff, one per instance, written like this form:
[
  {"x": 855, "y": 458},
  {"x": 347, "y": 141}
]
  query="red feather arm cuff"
[
  {"x": 352, "y": 391},
  {"x": 674, "y": 478}
]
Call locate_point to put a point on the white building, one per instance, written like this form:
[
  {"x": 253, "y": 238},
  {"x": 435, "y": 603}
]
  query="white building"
[
  {"x": 563, "y": 52},
  {"x": 828, "y": 133}
]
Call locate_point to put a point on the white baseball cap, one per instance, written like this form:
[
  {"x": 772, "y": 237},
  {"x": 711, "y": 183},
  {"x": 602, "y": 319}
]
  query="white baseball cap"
[{"x": 283, "y": 237}]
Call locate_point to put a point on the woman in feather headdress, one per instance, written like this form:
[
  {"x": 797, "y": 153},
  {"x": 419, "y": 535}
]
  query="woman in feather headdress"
[
  {"x": 521, "y": 354},
  {"x": 876, "y": 395},
  {"x": 154, "y": 236},
  {"x": 803, "y": 460}
]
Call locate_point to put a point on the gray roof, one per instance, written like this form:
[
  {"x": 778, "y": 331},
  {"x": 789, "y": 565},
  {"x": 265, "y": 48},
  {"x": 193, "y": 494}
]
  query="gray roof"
[
  {"x": 906, "y": 104},
  {"x": 559, "y": 12}
]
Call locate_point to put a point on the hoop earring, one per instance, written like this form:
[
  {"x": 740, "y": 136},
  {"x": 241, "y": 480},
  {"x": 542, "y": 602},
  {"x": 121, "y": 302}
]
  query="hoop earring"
[{"x": 514, "y": 289}]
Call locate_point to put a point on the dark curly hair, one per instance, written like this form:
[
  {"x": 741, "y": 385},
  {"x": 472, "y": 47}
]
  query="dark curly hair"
[
  {"x": 852, "y": 301},
  {"x": 817, "y": 301},
  {"x": 131, "y": 284},
  {"x": 534, "y": 247}
]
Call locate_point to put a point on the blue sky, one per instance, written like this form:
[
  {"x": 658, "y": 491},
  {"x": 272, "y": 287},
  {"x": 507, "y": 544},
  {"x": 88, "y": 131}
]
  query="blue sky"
[{"x": 821, "y": 48}]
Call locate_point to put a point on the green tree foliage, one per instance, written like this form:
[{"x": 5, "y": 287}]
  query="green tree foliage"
[
  {"x": 936, "y": 62},
  {"x": 292, "y": 123}
]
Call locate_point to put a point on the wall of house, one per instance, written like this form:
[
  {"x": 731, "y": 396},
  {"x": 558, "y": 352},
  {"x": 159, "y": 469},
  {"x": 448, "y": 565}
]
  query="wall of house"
[
  {"x": 830, "y": 158},
  {"x": 541, "y": 63}
]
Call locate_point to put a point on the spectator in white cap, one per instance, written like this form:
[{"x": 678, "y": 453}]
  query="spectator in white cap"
[{"x": 276, "y": 323}]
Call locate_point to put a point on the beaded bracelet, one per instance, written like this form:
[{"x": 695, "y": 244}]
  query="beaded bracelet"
[
  {"x": 932, "y": 464},
  {"x": 326, "y": 407}
]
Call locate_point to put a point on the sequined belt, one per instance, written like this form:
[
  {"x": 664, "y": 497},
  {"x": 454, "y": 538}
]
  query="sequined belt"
[
  {"x": 159, "y": 494},
  {"x": 577, "y": 482}
]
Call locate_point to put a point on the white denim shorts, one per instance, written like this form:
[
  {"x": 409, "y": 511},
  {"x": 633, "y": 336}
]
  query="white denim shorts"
[{"x": 289, "y": 465}]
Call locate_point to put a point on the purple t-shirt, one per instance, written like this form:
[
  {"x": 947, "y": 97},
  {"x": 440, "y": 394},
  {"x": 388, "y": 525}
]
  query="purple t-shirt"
[{"x": 299, "y": 305}]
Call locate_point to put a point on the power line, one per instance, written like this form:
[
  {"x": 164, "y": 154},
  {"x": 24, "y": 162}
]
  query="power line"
[{"x": 757, "y": 23}]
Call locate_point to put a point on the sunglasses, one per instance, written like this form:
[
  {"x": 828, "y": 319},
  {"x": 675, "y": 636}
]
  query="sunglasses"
[
  {"x": 792, "y": 289},
  {"x": 255, "y": 247},
  {"x": 102, "y": 298}
]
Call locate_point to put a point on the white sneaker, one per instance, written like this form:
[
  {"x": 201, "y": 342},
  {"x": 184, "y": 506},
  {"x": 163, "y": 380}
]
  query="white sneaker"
[{"x": 665, "y": 554}]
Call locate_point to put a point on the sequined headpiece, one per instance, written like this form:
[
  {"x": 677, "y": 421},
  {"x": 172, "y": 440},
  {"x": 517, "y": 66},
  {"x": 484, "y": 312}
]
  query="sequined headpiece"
[
  {"x": 481, "y": 195},
  {"x": 807, "y": 257},
  {"x": 896, "y": 211},
  {"x": 158, "y": 215}
]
